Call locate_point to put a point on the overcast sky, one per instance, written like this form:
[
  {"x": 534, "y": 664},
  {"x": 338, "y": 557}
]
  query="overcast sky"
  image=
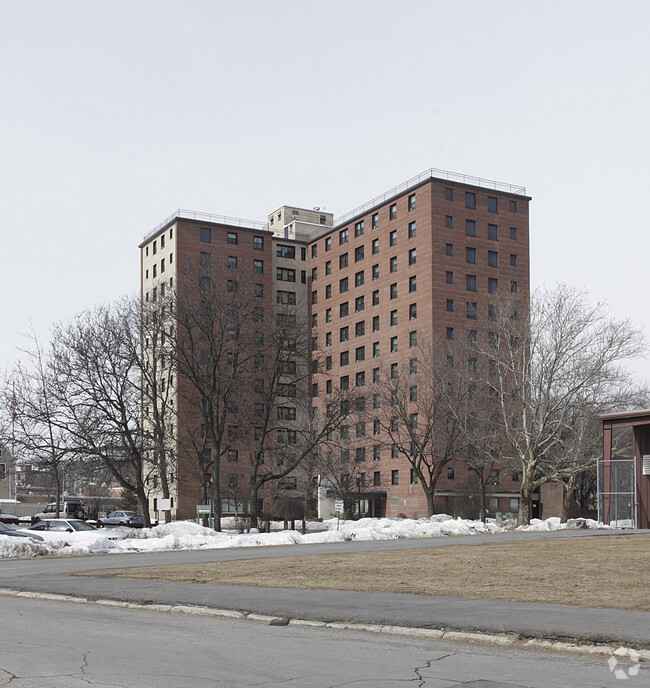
[{"x": 116, "y": 113}]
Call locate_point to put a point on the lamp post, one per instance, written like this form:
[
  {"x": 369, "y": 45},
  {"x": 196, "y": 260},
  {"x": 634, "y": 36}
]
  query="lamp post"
[{"x": 359, "y": 495}]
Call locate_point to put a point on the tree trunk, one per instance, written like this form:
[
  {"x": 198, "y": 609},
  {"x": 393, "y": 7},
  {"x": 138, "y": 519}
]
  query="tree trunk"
[
  {"x": 252, "y": 506},
  {"x": 57, "y": 485},
  {"x": 568, "y": 498},
  {"x": 144, "y": 503},
  {"x": 482, "y": 499},
  {"x": 428, "y": 491},
  {"x": 216, "y": 490},
  {"x": 525, "y": 501}
]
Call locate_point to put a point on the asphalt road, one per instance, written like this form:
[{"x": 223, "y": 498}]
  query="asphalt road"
[
  {"x": 48, "y": 644},
  {"x": 527, "y": 620}
]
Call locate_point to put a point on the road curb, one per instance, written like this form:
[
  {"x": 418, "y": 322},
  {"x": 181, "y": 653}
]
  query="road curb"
[{"x": 503, "y": 639}]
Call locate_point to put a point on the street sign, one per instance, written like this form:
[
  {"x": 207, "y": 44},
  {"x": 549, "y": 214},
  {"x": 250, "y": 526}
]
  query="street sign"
[{"x": 338, "y": 506}]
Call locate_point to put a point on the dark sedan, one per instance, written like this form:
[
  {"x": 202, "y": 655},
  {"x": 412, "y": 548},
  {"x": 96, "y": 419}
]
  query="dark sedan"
[
  {"x": 12, "y": 531},
  {"x": 6, "y": 517}
]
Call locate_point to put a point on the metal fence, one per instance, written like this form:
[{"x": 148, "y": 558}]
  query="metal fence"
[{"x": 617, "y": 492}]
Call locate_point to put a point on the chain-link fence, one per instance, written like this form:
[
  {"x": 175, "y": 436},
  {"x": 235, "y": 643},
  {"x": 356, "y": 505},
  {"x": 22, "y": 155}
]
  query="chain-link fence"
[{"x": 617, "y": 492}]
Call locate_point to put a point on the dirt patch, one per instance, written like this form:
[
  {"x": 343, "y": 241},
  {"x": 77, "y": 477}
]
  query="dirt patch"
[{"x": 601, "y": 572}]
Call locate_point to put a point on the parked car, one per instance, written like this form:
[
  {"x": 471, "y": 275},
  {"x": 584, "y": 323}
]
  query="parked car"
[
  {"x": 12, "y": 531},
  {"x": 70, "y": 530},
  {"x": 66, "y": 510},
  {"x": 6, "y": 517},
  {"x": 121, "y": 518}
]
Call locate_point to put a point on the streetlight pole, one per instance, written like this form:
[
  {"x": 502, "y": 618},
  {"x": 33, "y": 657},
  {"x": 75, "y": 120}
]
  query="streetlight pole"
[{"x": 359, "y": 495}]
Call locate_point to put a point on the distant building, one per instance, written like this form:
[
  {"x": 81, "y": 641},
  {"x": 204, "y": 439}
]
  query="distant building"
[{"x": 418, "y": 260}]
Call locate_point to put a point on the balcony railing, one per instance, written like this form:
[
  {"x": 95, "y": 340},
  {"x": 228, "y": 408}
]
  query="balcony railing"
[{"x": 208, "y": 217}]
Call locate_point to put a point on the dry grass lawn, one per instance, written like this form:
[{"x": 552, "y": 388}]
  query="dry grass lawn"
[{"x": 608, "y": 572}]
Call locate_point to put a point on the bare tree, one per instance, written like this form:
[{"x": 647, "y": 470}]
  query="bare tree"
[
  {"x": 219, "y": 335},
  {"x": 551, "y": 368},
  {"x": 30, "y": 395},
  {"x": 414, "y": 413},
  {"x": 94, "y": 360}
]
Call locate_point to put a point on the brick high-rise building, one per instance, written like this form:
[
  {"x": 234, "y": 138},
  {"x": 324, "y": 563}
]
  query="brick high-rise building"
[{"x": 417, "y": 262}]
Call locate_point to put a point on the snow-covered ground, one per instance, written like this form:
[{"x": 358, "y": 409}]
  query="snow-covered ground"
[{"x": 189, "y": 535}]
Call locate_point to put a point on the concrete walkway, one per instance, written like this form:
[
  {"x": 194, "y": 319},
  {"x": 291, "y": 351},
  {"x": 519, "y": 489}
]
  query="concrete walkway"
[{"x": 553, "y": 622}]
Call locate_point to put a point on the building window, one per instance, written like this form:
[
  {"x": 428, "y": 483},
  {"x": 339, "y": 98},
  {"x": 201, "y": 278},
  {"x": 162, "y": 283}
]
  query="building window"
[
  {"x": 344, "y": 309},
  {"x": 286, "y": 297},
  {"x": 344, "y": 334},
  {"x": 360, "y": 379},
  {"x": 375, "y": 297},
  {"x": 258, "y": 243},
  {"x": 471, "y": 337},
  {"x": 412, "y": 202},
  {"x": 493, "y": 259},
  {"x": 471, "y": 310},
  {"x": 493, "y": 285},
  {"x": 470, "y": 282},
  {"x": 206, "y": 235},
  {"x": 328, "y": 243},
  {"x": 314, "y": 297},
  {"x": 360, "y": 354},
  {"x": 360, "y": 328},
  {"x": 449, "y": 306},
  {"x": 344, "y": 382},
  {"x": 513, "y": 206},
  {"x": 375, "y": 351},
  {"x": 358, "y": 228},
  {"x": 450, "y": 333},
  {"x": 493, "y": 232},
  {"x": 233, "y": 262},
  {"x": 286, "y": 275},
  {"x": 450, "y": 474},
  {"x": 412, "y": 256},
  {"x": 413, "y": 393},
  {"x": 413, "y": 338},
  {"x": 314, "y": 275},
  {"x": 513, "y": 287},
  {"x": 393, "y": 371},
  {"x": 375, "y": 246},
  {"x": 286, "y": 413},
  {"x": 393, "y": 345},
  {"x": 232, "y": 238},
  {"x": 314, "y": 250},
  {"x": 394, "y": 476},
  {"x": 393, "y": 264},
  {"x": 284, "y": 251},
  {"x": 375, "y": 272},
  {"x": 258, "y": 267},
  {"x": 470, "y": 255},
  {"x": 393, "y": 318},
  {"x": 375, "y": 220},
  {"x": 470, "y": 227},
  {"x": 392, "y": 238},
  {"x": 449, "y": 222},
  {"x": 449, "y": 277},
  {"x": 413, "y": 366},
  {"x": 343, "y": 237},
  {"x": 343, "y": 285},
  {"x": 344, "y": 358},
  {"x": 413, "y": 311},
  {"x": 492, "y": 204},
  {"x": 359, "y": 303},
  {"x": 358, "y": 253},
  {"x": 258, "y": 290},
  {"x": 393, "y": 290},
  {"x": 413, "y": 284},
  {"x": 513, "y": 260},
  {"x": 343, "y": 261},
  {"x": 392, "y": 211},
  {"x": 449, "y": 194},
  {"x": 375, "y": 323},
  {"x": 449, "y": 249},
  {"x": 233, "y": 455},
  {"x": 162, "y": 265},
  {"x": 412, "y": 229},
  {"x": 470, "y": 199}
]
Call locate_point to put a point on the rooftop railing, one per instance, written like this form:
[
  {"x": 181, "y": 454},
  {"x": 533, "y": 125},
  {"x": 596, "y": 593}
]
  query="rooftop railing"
[
  {"x": 207, "y": 217},
  {"x": 430, "y": 174}
]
